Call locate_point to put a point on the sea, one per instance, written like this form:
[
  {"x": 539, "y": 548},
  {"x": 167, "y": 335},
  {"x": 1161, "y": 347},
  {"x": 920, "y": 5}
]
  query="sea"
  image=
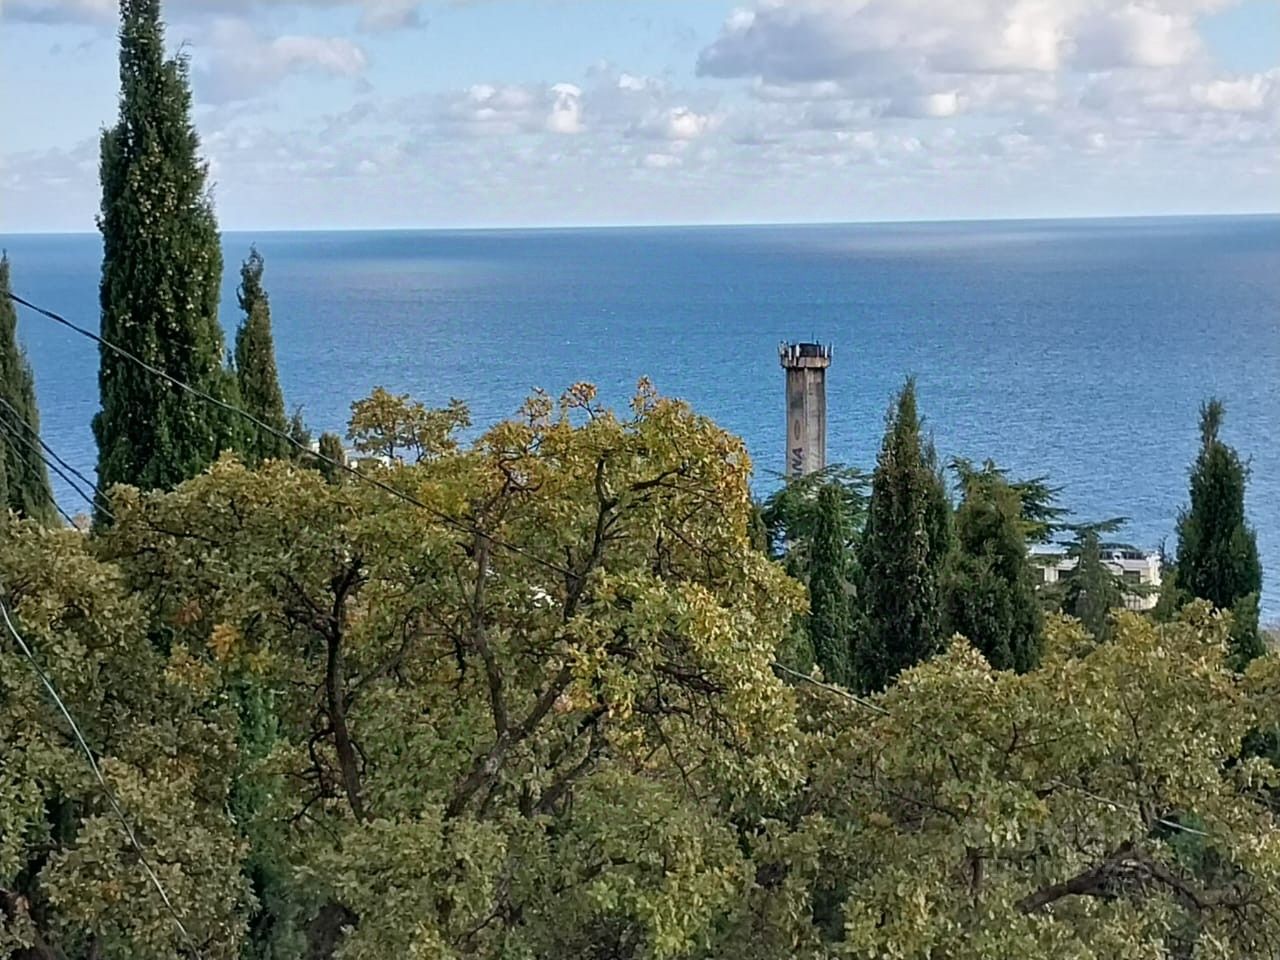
[{"x": 1078, "y": 350}]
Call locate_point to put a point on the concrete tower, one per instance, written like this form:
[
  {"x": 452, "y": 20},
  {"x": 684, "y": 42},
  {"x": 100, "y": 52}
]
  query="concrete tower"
[{"x": 806, "y": 365}]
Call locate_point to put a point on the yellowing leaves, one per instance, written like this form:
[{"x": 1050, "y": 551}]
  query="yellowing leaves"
[{"x": 224, "y": 640}]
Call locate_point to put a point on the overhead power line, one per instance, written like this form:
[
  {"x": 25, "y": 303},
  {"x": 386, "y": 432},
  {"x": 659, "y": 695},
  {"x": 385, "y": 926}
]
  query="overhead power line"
[
  {"x": 12, "y": 432},
  {"x": 97, "y": 772},
  {"x": 444, "y": 517},
  {"x": 439, "y": 515},
  {"x": 31, "y": 439}
]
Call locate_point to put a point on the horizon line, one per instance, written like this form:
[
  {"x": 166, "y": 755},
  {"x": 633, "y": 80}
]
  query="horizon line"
[{"x": 705, "y": 224}]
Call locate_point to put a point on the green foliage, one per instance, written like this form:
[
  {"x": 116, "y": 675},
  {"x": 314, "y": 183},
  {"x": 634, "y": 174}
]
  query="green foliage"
[
  {"x": 830, "y": 621},
  {"x": 255, "y": 366},
  {"x": 161, "y": 271},
  {"x": 397, "y": 428},
  {"x": 991, "y": 593},
  {"x": 24, "y": 478},
  {"x": 791, "y": 513},
  {"x": 332, "y": 451},
  {"x": 1093, "y": 590},
  {"x": 1217, "y": 550},
  {"x": 904, "y": 552},
  {"x": 551, "y": 727},
  {"x": 70, "y": 883},
  {"x": 475, "y": 753},
  {"x": 1041, "y": 517},
  {"x": 995, "y": 814}
]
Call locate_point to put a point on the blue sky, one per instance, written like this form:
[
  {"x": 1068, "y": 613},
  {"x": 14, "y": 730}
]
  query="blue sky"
[{"x": 402, "y": 113}]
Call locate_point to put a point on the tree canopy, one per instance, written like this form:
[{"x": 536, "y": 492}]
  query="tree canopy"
[{"x": 541, "y": 716}]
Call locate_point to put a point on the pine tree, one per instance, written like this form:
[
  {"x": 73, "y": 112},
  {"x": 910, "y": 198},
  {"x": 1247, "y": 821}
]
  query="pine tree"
[
  {"x": 1217, "y": 550},
  {"x": 904, "y": 552},
  {"x": 830, "y": 624},
  {"x": 991, "y": 594},
  {"x": 1092, "y": 590},
  {"x": 24, "y": 487},
  {"x": 255, "y": 365},
  {"x": 161, "y": 271}
]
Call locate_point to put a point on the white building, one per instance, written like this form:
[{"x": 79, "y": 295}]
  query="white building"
[{"x": 1134, "y": 566}]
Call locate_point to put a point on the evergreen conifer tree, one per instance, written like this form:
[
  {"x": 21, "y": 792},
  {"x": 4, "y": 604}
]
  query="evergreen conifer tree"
[
  {"x": 1217, "y": 550},
  {"x": 332, "y": 451},
  {"x": 24, "y": 478},
  {"x": 255, "y": 364},
  {"x": 830, "y": 625},
  {"x": 1092, "y": 591},
  {"x": 904, "y": 552},
  {"x": 991, "y": 595},
  {"x": 161, "y": 271}
]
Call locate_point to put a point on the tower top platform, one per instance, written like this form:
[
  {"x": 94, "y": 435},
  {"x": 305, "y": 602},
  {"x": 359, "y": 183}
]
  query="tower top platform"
[{"x": 796, "y": 356}]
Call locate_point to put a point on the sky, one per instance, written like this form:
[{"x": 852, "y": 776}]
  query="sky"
[{"x": 318, "y": 114}]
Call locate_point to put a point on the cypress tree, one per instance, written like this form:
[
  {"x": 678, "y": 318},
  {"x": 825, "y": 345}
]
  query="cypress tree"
[
  {"x": 991, "y": 595},
  {"x": 24, "y": 478},
  {"x": 830, "y": 625},
  {"x": 1092, "y": 591},
  {"x": 331, "y": 449},
  {"x": 255, "y": 364},
  {"x": 1217, "y": 550},
  {"x": 161, "y": 271},
  {"x": 904, "y": 552}
]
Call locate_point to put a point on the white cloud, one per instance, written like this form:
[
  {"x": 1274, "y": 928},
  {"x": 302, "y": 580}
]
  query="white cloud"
[
  {"x": 1135, "y": 36},
  {"x": 374, "y": 14},
  {"x": 237, "y": 63},
  {"x": 566, "y": 109},
  {"x": 946, "y": 104},
  {"x": 870, "y": 44},
  {"x": 659, "y": 161},
  {"x": 1244, "y": 95},
  {"x": 679, "y": 123}
]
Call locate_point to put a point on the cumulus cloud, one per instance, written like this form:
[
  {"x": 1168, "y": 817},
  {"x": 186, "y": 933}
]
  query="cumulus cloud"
[
  {"x": 875, "y": 98},
  {"x": 815, "y": 41},
  {"x": 566, "y": 109},
  {"x": 1243, "y": 95},
  {"x": 674, "y": 123},
  {"x": 237, "y": 63},
  {"x": 1135, "y": 36}
]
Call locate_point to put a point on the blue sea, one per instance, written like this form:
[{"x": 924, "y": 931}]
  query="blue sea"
[{"x": 1080, "y": 350}]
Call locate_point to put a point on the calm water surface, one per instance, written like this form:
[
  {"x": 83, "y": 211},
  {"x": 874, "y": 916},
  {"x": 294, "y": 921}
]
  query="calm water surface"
[{"x": 1077, "y": 349}]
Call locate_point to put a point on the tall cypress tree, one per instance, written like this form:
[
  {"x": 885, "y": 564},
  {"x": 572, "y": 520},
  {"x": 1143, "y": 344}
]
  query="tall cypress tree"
[
  {"x": 24, "y": 488},
  {"x": 255, "y": 363},
  {"x": 1217, "y": 550},
  {"x": 161, "y": 271},
  {"x": 991, "y": 595},
  {"x": 830, "y": 624},
  {"x": 904, "y": 552}
]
